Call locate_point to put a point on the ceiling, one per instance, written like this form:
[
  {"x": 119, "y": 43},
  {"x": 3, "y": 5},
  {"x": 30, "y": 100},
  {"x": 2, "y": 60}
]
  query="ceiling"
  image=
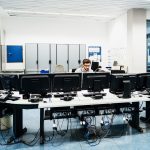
[{"x": 103, "y": 10}]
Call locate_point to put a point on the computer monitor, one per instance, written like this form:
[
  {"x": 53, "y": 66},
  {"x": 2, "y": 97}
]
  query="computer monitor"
[
  {"x": 118, "y": 81},
  {"x": 148, "y": 82},
  {"x": 95, "y": 65},
  {"x": 34, "y": 84},
  {"x": 143, "y": 81},
  {"x": 66, "y": 83},
  {"x": 95, "y": 82},
  {"x": 9, "y": 82}
]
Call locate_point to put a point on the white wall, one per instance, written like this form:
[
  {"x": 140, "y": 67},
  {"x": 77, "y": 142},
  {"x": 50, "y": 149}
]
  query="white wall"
[
  {"x": 136, "y": 42},
  {"x": 111, "y": 36},
  {"x": 44, "y": 30},
  {"x": 28, "y": 30},
  {"x": 127, "y": 41},
  {"x": 118, "y": 40}
]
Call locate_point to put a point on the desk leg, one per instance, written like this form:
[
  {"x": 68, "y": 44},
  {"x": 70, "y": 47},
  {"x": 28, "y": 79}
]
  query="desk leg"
[
  {"x": 17, "y": 125},
  {"x": 135, "y": 117},
  {"x": 147, "y": 113},
  {"x": 42, "y": 126}
]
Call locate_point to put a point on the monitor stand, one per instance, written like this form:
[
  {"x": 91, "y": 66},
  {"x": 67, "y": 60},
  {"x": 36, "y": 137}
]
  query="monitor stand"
[
  {"x": 127, "y": 89},
  {"x": 67, "y": 98},
  {"x": 35, "y": 98},
  {"x": 92, "y": 93}
]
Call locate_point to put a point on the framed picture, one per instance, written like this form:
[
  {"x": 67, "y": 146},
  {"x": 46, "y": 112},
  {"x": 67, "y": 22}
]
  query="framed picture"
[{"x": 94, "y": 53}]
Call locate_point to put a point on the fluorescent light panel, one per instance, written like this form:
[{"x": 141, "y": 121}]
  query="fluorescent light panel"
[{"x": 64, "y": 14}]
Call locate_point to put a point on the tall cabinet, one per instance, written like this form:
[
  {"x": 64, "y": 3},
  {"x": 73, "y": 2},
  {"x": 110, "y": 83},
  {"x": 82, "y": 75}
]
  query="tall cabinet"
[{"x": 45, "y": 56}]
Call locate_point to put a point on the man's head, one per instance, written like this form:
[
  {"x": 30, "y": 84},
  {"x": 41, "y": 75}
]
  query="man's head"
[{"x": 86, "y": 64}]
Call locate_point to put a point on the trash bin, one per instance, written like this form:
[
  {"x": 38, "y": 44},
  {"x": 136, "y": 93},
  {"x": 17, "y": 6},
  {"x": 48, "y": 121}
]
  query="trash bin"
[{"x": 5, "y": 122}]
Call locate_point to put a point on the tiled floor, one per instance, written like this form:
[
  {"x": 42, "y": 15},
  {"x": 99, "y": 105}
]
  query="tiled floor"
[{"x": 120, "y": 137}]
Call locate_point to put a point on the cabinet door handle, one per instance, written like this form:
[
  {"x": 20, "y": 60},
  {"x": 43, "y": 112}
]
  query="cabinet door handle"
[
  {"x": 50, "y": 62},
  {"x": 37, "y": 62},
  {"x": 79, "y": 61},
  {"x": 67, "y": 61}
]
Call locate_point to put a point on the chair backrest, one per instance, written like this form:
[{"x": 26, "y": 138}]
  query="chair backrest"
[
  {"x": 59, "y": 68},
  {"x": 74, "y": 69}
]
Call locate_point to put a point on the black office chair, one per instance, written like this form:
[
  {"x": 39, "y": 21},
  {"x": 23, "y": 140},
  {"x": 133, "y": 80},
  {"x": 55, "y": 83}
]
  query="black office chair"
[
  {"x": 74, "y": 69},
  {"x": 117, "y": 71}
]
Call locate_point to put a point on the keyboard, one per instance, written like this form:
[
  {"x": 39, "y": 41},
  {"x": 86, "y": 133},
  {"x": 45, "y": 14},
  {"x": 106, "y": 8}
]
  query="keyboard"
[
  {"x": 65, "y": 94},
  {"x": 89, "y": 94},
  {"x": 14, "y": 98},
  {"x": 3, "y": 97},
  {"x": 145, "y": 92}
]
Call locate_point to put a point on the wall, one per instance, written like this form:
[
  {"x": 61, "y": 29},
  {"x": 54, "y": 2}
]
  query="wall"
[
  {"x": 111, "y": 36},
  {"x": 136, "y": 42},
  {"x": 118, "y": 40},
  {"x": 125, "y": 44},
  {"x": 57, "y": 30}
]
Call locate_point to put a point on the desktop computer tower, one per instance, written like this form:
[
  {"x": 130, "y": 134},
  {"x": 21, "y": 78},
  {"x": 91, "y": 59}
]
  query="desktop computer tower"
[{"x": 127, "y": 89}]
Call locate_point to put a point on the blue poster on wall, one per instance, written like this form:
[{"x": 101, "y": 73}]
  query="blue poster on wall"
[{"x": 14, "y": 54}]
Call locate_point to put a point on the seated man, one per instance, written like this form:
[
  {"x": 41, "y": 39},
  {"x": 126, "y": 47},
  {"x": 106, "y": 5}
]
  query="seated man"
[{"x": 86, "y": 66}]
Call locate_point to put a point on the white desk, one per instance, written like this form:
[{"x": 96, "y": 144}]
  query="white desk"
[
  {"x": 17, "y": 107},
  {"x": 80, "y": 100}
]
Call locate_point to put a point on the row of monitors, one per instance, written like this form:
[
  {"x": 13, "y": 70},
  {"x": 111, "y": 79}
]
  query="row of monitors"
[{"x": 67, "y": 82}]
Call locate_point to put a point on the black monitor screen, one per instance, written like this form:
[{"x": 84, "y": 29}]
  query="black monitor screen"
[
  {"x": 143, "y": 81},
  {"x": 117, "y": 82},
  {"x": 66, "y": 82},
  {"x": 148, "y": 82},
  {"x": 95, "y": 82},
  {"x": 9, "y": 82},
  {"x": 34, "y": 84},
  {"x": 94, "y": 65}
]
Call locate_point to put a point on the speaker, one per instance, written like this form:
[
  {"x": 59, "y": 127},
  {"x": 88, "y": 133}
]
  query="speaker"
[{"x": 127, "y": 89}]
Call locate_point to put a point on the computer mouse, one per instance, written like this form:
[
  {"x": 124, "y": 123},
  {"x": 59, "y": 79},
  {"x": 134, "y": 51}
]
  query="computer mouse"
[
  {"x": 140, "y": 95},
  {"x": 45, "y": 101}
]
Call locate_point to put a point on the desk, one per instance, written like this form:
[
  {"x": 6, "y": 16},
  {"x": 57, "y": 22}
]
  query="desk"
[
  {"x": 17, "y": 107},
  {"x": 80, "y": 101},
  {"x": 77, "y": 102}
]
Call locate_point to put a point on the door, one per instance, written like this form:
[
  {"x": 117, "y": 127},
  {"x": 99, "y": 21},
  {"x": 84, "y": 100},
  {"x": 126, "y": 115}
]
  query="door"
[
  {"x": 73, "y": 56},
  {"x": 52, "y": 57},
  {"x": 62, "y": 55},
  {"x": 31, "y": 62},
  {"x": 43, "y": 56},
  {"x": 82, "y": 54}
]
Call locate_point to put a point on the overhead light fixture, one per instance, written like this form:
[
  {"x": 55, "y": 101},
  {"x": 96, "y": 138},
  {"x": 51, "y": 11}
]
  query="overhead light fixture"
[{"x": 58, "y": 14}]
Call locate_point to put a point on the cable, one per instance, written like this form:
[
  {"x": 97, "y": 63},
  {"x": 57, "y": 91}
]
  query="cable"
[
  {"x": 50, "y": 137},
  {"x": 34, "y": 140}
]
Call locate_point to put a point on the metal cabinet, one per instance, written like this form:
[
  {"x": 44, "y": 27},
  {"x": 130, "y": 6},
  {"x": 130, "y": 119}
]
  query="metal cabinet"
[
  {"x": 31, "y": 63},
  {"x": 77, "y": 52},
  {"x": 43, "y": 56},
  {"x": 82, "y": 54},
  {"x": 53, "y": 56},
  {"x": 62, "y": 55}
]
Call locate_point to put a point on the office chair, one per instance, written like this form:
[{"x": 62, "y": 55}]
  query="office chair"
[
  {"x": 59, "y": 69},
  {"x": 74, "y": 69}
]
